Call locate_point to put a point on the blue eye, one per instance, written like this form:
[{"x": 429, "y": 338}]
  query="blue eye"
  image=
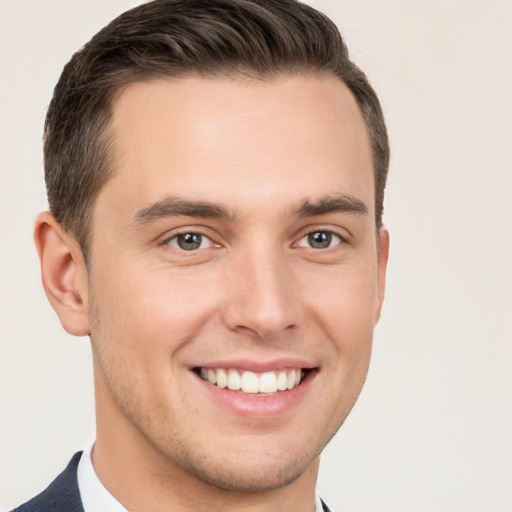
[
  {"x": 190, "y": 241},
  {"x": 320, "y": 240}
]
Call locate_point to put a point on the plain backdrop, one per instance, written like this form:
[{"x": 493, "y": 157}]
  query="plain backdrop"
[{"x": 432, "y": 430}]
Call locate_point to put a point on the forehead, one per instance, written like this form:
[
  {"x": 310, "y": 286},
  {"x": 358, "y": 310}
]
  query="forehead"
[{"x": 239, "y": 141}]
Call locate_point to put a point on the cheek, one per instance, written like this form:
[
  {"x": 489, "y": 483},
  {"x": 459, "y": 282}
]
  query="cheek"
[
  {"x": 345, "y": 306},
  {"x": 346, "y": 316},
  {"x": 152, "y": 313},
  {"x": 347, "y": 321}
]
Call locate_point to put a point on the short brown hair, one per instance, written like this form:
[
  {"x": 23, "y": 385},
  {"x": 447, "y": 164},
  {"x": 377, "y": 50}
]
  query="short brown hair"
[{"x": 173, "y": 38}]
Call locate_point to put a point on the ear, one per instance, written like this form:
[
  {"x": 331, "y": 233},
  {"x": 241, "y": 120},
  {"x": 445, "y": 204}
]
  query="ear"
[
  {"x": 382, "y": 265},
  {"x": 63, "y": 273}
]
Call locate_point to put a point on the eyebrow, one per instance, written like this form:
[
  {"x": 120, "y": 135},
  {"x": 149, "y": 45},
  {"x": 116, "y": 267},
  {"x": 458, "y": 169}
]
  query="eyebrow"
[
  {"x": 176, "y": 207},
  {"x": 342, "y": 203}
]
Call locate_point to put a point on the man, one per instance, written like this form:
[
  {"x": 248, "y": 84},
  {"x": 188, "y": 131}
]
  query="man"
[{"x": 215, "y": 173}]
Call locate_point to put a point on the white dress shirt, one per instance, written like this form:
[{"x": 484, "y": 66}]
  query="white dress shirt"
[{"x": 95, "y": 498}]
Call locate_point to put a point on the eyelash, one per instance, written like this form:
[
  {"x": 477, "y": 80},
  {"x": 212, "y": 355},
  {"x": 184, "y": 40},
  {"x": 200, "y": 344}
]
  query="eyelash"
[
  {"x": 332, "y": 236},
  {"x": 175, "y": 237},
  {"x": 327, "y": 235}
]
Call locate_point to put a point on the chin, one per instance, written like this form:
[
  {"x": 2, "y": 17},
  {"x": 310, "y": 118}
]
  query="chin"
[
  {"x": 244, "y": 474},
  {"x": 249, "y": 469}
]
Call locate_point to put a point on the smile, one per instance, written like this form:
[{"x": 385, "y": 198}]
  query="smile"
[{"x": 251, "y": 382}]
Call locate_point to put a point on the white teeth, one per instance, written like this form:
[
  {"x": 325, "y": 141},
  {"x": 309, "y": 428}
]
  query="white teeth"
[
  {"x": 234, "y": 380},
  {"x": 251, "y": 382},
  {"x": 282, "y": 381},
  {"x": 290, "y": 381},
  {"x": 268, "y": 383},
  {"x": 222, "y": 378},
  {"x": 212, "y": 377}
]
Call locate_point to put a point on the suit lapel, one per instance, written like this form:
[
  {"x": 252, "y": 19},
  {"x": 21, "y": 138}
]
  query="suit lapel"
[
  {"x": 62, "y": 495},
  {"x": 325, "y": 507}
]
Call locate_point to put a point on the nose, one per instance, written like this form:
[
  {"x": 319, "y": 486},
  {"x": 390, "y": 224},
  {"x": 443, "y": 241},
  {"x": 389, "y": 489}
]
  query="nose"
[{"x": 263, "y": 300}]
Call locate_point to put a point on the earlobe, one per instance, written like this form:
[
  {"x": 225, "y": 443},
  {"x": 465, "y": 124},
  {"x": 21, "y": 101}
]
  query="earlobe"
[
  {"x": 63, "y": 273},
  {"x": 382, "y": 264}
]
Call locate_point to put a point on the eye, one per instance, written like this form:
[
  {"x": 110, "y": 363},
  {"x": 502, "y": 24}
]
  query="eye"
[
  {"x": 320, "y": 240},
  {"x": 190, "y": 241}
]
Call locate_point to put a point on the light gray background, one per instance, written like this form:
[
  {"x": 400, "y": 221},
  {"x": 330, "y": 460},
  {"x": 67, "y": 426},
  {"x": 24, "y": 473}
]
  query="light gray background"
[{"x": 433, "y": 428}]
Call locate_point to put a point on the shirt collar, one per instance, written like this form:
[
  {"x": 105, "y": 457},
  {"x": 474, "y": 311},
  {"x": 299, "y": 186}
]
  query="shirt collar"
[{"x": 92, "y": 492}]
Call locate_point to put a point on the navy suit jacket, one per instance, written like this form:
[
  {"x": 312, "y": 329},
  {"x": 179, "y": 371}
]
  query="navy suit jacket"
[{"x": 63, "y": 495}]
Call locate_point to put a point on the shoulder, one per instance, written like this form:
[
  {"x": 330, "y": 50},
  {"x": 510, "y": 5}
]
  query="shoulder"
[{"x": 62, "y": 495}]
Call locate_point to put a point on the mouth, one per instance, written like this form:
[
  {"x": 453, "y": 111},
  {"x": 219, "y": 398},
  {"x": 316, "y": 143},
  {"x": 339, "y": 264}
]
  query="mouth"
[{"x": 252, "y": 383}]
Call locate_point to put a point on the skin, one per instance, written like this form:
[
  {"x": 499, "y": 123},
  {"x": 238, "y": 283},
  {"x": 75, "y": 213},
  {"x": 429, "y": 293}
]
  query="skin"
[{"x": 255, "y": 291}]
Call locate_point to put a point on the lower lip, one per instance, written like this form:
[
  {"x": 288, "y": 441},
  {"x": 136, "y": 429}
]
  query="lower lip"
[{"x": 258, "y": 406}]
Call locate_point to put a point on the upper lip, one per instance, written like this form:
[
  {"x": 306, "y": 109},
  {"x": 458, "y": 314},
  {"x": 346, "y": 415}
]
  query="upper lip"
[{"x": 258, "y": 366}]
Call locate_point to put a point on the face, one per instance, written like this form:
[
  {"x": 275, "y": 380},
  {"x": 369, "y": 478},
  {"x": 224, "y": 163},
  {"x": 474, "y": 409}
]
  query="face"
[{"x": 235, "y": 278}]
